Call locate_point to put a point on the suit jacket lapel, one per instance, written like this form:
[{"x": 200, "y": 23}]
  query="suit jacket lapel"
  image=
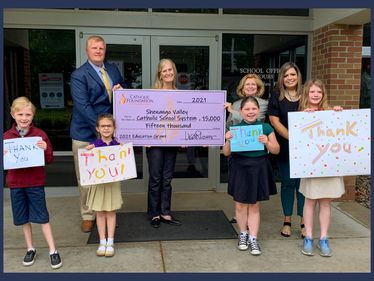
[{"x": 94, "y": 74}]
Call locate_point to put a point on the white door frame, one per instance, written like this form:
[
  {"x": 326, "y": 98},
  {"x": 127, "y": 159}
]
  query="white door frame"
[
  {"x": 134, "y": 185},
  {"x": 190, "y": 184},
  {"x": 150, "y": 56}
]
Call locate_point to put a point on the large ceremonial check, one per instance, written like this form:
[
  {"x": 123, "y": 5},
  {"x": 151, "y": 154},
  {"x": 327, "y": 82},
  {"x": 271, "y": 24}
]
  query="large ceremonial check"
[
  {"x": 329, "y": 143},
  {"x": 170, "y": 117}
]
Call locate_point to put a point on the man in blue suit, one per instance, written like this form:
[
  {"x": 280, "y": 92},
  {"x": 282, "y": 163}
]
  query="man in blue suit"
[{"x": 90, "y": 98}]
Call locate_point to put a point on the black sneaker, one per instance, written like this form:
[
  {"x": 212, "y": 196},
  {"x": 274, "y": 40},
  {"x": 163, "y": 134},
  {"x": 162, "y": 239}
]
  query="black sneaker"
[
  {"x": 55, "y": 260},
  {"x": 254, "y": 247},
  {"x": 29, "y": 258},
  {"x": 243, "y": 242}
]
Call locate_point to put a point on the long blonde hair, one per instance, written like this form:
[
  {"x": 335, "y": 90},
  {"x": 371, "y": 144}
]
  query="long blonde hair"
[
  {"x": 282, "y": 71},
  {"x": 259, "y": 83},
  {"x": 304, "y": 101},
  {"x": 158, "y": 84}
]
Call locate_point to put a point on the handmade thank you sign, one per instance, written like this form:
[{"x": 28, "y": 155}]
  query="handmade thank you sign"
[
  {"x": 245, "y": 138},
  {"x": 106, "y": 164},
  {"x": 329, "y": 143},
  {"x": 22, "y": 153},
  {"x": 170, "y": 117}
]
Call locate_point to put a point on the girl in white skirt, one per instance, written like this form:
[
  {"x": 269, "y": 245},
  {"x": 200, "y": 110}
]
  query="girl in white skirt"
[
  {"x": 318, "y": 190},
  {"x": 105, "y": 198}
]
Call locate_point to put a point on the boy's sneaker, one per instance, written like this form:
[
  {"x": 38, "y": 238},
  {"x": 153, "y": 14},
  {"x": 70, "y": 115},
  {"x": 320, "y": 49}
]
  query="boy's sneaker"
[
  {"x": 29, "y": 258},
  {"x": 324, "y": 247},
  {"x": 55, "y": 260},
  {"x": 254, "y": 247},
  {"x": 243, "y": 242},
  {"x": 308, "y": 246}
]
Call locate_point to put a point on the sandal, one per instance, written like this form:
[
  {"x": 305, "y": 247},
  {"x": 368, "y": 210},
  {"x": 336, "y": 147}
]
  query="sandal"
[
  {"x": 286, "y": 230},
  {"x": 303, "y": 233}
]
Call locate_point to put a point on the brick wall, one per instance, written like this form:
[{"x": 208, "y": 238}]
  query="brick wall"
[{"x": 336, "y": 59}]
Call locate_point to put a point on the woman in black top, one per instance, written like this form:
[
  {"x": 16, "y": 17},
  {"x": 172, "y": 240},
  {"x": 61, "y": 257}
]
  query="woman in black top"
[
  {"x": 161, "y": 160},
  {"x": 282, "y": 101}
]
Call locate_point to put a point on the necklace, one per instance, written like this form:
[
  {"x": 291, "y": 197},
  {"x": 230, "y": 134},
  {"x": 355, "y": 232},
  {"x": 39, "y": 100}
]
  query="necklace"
[{"x": 292, "y": 98}]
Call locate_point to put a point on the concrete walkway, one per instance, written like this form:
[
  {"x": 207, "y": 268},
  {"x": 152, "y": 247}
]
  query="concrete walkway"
[{"x": 350, "y": 238}]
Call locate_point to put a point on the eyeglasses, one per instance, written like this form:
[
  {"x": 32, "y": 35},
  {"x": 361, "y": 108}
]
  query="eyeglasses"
[{"x": 105, "y": 126}]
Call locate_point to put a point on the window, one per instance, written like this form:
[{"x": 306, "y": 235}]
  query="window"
[
  {"x": 38, "y": 64},
  {"x": 365, "y": 93},
  {"x": 366, "y": 34},
  {"x": 262, "y": 55}
]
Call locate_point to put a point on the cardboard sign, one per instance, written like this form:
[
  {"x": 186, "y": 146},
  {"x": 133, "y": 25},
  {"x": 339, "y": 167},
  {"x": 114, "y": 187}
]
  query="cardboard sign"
[
  {"x": 22, "y": 153},
  {"x": 245, "y": 138},
  {"x": 106, "y": 164},
  {"x": 329, "y": 143}
]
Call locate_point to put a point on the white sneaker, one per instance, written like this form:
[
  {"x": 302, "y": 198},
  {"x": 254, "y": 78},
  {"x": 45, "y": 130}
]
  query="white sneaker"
[
  {"x": 100, "y": 252},
  {"x": 109, "y": 251}
]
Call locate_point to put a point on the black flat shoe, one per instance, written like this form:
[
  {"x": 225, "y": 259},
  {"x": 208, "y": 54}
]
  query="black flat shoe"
[
  {"x": 155, "y": 223},
  {"x": 233, "y": 220},
  {"x": 172, "y": 221}
]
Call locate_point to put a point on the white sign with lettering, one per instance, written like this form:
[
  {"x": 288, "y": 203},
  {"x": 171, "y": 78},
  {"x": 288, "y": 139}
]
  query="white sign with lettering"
[
  {"x": 22, "y": 153},
  {"x": 329, "y": 143},
  {"x": 106, "y": 164}
]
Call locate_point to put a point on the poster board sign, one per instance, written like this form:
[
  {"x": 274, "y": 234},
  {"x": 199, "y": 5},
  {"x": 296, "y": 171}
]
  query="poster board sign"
[
  {"x": 329, "y": 143},
  {"x": 22, "y": 153},
  {"x": 106, "y": 164},
  {"x": 51, "y": 87},
  {"x": 245, "y": 138},
  {"x": 170, "y": 117}
]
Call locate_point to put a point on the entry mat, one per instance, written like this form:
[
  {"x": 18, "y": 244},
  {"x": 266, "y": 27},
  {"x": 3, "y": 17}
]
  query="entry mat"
[{"x": 196, "y": 225}]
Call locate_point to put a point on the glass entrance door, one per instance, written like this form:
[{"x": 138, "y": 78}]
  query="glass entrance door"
[
  {"x": 196, "y": 60},
  {"x": 131, "y": 54}
]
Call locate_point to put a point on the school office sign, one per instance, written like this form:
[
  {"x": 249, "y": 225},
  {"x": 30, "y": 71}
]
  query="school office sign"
[{"x": 266, "y": 75}]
